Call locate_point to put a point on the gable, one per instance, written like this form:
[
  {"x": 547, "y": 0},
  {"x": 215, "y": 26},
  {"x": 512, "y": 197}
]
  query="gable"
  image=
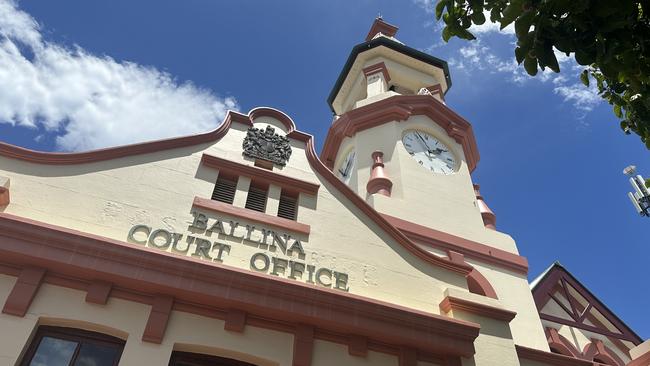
[
  {"x": 567, "y": 307},
  {"x": 160, "y": 188}
]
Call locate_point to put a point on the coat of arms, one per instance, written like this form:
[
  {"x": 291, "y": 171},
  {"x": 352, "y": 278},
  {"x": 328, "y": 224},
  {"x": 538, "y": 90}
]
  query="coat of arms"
[{"x": 267, "y": 144}]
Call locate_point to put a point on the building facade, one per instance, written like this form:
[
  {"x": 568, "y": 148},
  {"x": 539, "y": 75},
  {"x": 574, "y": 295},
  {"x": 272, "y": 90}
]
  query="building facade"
[{"x": 243, "y": 246}]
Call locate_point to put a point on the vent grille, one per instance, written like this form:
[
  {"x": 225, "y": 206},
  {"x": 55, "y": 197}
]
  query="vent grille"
[
  {"x": 288, "y": 207},
  {"x": 224, "y": 190},
  {"x": 256, "y": 199}
]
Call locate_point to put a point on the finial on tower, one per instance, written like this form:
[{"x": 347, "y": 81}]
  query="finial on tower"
[{"x": 380, "y": 26}]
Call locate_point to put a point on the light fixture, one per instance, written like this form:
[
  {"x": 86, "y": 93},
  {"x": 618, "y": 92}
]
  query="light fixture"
[{"x": 640, "y": 198}]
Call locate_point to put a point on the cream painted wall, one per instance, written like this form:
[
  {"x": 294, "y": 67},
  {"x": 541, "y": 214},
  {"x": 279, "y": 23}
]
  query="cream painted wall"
[{"x": 108, "y": 198}]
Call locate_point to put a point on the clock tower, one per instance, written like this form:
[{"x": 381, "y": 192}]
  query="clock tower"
[{"x": 397, "y": 144}]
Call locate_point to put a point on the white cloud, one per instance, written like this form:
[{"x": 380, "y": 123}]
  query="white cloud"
[
  {"x": 490, "y": 27},
  {"x": 93, "y": 101},
  {"x": 584, "y": 99}
]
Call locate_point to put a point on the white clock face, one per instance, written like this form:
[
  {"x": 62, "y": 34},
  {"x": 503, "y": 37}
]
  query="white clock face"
[
  {"x": 429, "y": 152},
  {"x": 344, "y": 171}
]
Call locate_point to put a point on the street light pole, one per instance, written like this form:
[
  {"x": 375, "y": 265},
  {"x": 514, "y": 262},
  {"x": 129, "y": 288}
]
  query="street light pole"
[{"x": 640, "y": 198}]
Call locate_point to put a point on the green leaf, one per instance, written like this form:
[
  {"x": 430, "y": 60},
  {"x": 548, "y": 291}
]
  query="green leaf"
[
  {"x": 617, "y": 111},
  {"x": 465, "y": 34},
  {"x": 520, "y": 54},
  {"x": 478, "y": 18},
  {"x": 523, "y": 23},
  {"x": 584, "y": 77},
  {"x": 440, "y": 7},
  {"x": 511, "y": 12},
  {"x": 446, "y": 34},
  {"x": 584, "y": 58},
  {"x": 530, "y": 64}
]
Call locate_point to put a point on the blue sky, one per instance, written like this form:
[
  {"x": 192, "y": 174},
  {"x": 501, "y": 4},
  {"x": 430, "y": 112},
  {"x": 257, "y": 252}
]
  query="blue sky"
[{"x": 79, "y": 75}]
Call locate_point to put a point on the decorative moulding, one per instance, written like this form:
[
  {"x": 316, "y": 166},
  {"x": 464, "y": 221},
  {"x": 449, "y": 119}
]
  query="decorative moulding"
[
  {"x": 472, "y": 249},
  {"x": 400, "y": 108},
  {"x": 451, "y": 302},
  {"x": 252, "y": 215},
  {"x": 377, "y": 68},
  {"x": 261, "y": 174},
  {"x": 379, "y": 182},
  {"x": 489, "y": 218},
  {"x": 153, "y": 277}
]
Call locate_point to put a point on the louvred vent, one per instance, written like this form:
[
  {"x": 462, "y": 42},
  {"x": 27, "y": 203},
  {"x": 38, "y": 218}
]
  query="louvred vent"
[
  {"x": 256, "y": 199},
  {"x": 224, "y": 190},
  {"x": 288, "y": 207}
]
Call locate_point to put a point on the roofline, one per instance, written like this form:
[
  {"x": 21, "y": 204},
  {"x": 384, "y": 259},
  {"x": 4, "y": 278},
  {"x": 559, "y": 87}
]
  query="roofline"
[
  {"x": 557, "y": 264},
  {"x": 386, "y": 42}
]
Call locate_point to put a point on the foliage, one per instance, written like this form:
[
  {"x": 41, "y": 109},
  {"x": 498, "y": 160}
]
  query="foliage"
[{"x": 610, "y": 38}]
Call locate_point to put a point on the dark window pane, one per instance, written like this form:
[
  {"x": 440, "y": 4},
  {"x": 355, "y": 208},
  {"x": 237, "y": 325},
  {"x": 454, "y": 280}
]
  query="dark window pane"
[
  {"x": 96, "y": 355},
  {"x": 53, "y": 352}
]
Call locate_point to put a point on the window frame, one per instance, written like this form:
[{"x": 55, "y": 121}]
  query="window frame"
[
  {"x": 79, "y": 336},
  {"x": 204, "y": 359}
]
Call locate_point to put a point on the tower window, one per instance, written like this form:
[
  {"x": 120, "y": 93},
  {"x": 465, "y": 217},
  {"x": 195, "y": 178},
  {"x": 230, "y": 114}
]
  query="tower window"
[
  {"x": 224, "y": 189},
  {"x": 256, "y": 199},
  {"x": 288, "y": 207}
]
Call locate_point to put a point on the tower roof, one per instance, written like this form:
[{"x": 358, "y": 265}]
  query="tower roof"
[{"x": 385, "y": 39}]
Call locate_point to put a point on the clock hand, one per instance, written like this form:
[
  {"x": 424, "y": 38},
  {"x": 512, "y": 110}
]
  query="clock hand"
[{"x": 424, "y": 145}]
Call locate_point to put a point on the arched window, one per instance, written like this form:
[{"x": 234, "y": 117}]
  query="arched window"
[
  {"x": 197, "y": 359},
  {"x": 58, "y": 346}
]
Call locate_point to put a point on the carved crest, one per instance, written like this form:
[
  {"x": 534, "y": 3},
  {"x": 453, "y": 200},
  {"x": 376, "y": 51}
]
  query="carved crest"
[{"x": 267, "y": 144}]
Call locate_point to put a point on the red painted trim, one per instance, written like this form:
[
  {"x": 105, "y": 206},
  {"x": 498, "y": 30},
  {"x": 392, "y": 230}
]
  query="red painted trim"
[
  {"x": 478, "y": 284},
  {"x": 98, "y": 292},
  {"x": 400, "y": 108},
  {"x": 252, "y": 215},
  {"x": 23, "y": 292},
  {"x": 263, "y": 175},
  {"x": 556, "y": 276},
  {"x": 471, "y": 249},
  {"x": 273, "y": 113},
  {"x": 450, "y": 303},
  {"x": 4, "y": 196},
  {"x": 358, "y": 346},
  {"x": 50, "y": 158},
  {"x": 379, "y": 181},
  {"x": 596, "y": 349},
  {"x": 235, "y": 321},
  {"x": 408, "y": 357},
  {"x": 377, "y": 68},
  {"x": 379, "y": 26},
  {"x": 561, "y": 344},
  {"x": 303, "y": 345},
  {"x": 586, "y": 327},
  {"x": 549, "y": 357},
  {"x": 77, "y": 255},
  {"x": 161, "y": 310},
  {"x": 40, "y": 157},
  {"x": 436, "y": 89}
]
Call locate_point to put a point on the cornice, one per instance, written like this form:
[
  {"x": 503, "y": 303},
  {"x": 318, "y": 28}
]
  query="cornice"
[
  {"x": 400, "y": 108},
  {"x": 78, "y": 255},
  {"x": 468, "y": 248},
  {"x": 455, "y": 303}
]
